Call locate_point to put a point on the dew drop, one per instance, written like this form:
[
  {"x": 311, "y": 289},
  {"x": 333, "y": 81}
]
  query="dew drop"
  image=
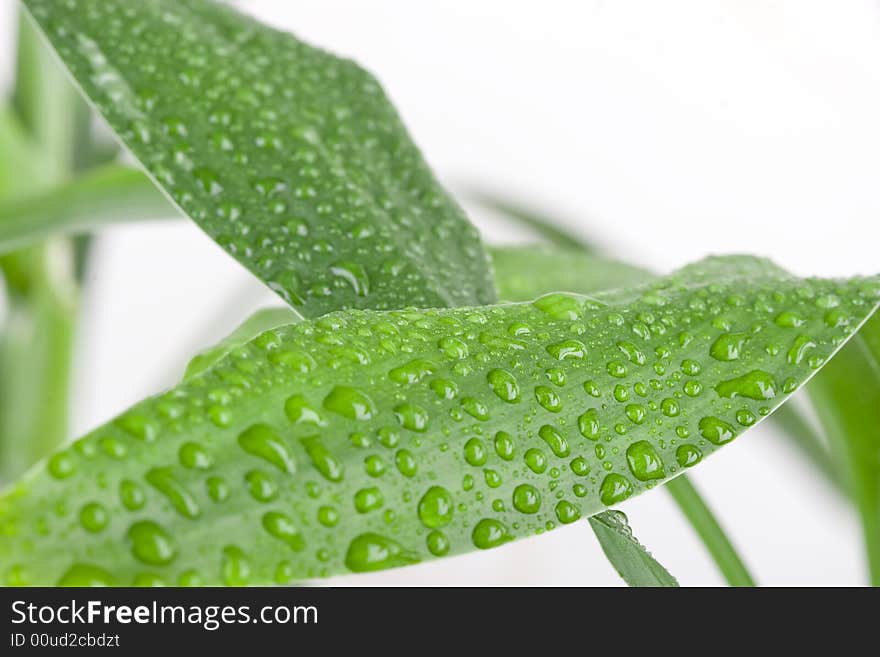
[
  {"x": 368, "y": 552},
  {"x": 436, "y": 507},
  {"x": 151, "y": 544},
  {"x": 490, "y": 533},
  {"x": 283, "y": 528},
  {"x": 644, "y": 462},
  {"x": 526, "y": 499},
  {"x": 554, "y": 439},
  {"x": 716, "y": 431},
  {"x": 504, "y": 385},
  {"x": 350, "y": 402},
  {"x": 615, "y": 488},
  {"x": 262, "y": 441}
]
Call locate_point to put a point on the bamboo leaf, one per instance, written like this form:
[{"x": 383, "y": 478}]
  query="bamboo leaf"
[
  {"x": 630, "y": 559},
  {"x": 847, "y": 399},
  {"x": 367, "y": 440},
  {"x": 292, "y": 159}
]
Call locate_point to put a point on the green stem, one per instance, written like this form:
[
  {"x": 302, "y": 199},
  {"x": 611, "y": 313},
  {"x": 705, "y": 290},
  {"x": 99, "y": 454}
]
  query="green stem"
[
  {"x": 37, "y": 341},
  {"x": 710, "y": 532},
  {"x": 106, "y": 194}
]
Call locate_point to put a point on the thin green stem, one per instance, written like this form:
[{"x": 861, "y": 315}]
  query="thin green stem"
[
  {"x": 710, "y": 532},
  {"x": 37, "y": 340},
  {"x": 106, "y": 194}
]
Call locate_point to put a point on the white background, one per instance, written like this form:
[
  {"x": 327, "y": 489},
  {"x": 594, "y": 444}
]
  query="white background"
[{"x": 663, "y": 130}]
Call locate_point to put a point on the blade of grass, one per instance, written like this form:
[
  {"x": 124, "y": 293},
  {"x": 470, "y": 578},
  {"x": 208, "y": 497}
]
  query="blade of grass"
[
  {"x": 715, "y": 539},
  {"x": 107, "y": 194},
  {"x": 846, "y": 395}
]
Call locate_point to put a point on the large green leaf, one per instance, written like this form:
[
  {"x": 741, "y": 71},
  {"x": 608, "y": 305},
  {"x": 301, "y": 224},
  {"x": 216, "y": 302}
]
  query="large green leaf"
[
  {"x": 367, "y": 440},
  {"x": 292, "y": 159},
  {"x": 847, "y": 399},
  {"x": 630, "y": 559}
]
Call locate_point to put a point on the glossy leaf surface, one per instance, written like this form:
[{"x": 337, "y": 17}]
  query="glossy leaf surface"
[
  {"x": 292, "y": 159},
  {"x": 368, "y": 440}
]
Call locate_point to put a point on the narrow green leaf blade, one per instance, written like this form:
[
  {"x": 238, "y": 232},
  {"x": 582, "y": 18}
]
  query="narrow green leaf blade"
[
  {"x": 846, "y": 395},
  {"x": 367, "y": 440},
  {"x": 107, "y": 194},
  {"x": 523, "y": 273},
  {"x": 292, "y": 159},
  {"x": 630, "y": 559}
]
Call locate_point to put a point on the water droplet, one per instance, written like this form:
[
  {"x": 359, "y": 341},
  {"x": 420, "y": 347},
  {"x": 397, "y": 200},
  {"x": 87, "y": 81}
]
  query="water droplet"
[
  {"x": 475, "y": 452},
  {"x": 218, "y": 489},
  {"x": 567, "y": 349},
  {"x": 163, "y": 480},
  {"x": 616, "y": 369},
  {"x": 788, "y": 319},
  {"x": 93, "y": 517},
  {"x": 208, "y": 181},
  {"x": 193, "y": 455},
  {"x": 436, "y": 507},
  {"x": 355, "y": 275},
  {"x": 669, "y": 407},
  {"x": 633, "y": 353},
  {"x": 579, "y": 466},
  {"x": 261, "y": 486},
  {"x": 61, "y": 465},
  {"x": 368, "y": 499},
  {"x": 350, "y": 402},
  {"x": 489, "y": 533},
  {"x": 324, "y": 461},
  {"x": 745, "y": 417},
  {"x": 262, "y": 441},
  {"x": 728, "y": 346},
  {"x": 151, "y": 544},
  {"x": 688, "y": 455},
  {"x": 413, "y": 372},
  {"x": 328, "y": 516},
  {"x": 615, "y": 488},
  {"x": 283, "y": 528},
  {"x": 536, "y": 460},
  {"x": 554, "y": 439},
  {"x": 757, "y": 384},
  {"x": 566, "y": 512},
  {"x": 548, "y": 398},
  {"x": 235, "y": 569},
  {"x": 526, "y": 499},
  {"x": 81, "y": 574},
  {"x": 131, "y": 495},
  {"x": 411, "y": 416},
  {"x": 369, "y": 552},
  {"x": 504, "y": 385},
  {"x": 374, "y": 465},
  {"x": 691, "y": 367},
  {"x": 504, "y": 445},
  {"x": 475, "y": 408},
  {"x": 802, "y": 344},
  {"x": 636, "y": 413},
  {"x": 644, "y": 462},
  {"x": 715, "y": 430},
  {"x": 405, "y": 462},
  {"x": 438, "y": 544},
  {"x": 138, "y": 426},
  {"x": 588, "y": 424},
  {"x": 299, "y": 411},
  {"x": 559, "y": 306},
  {"x": 453, "y": 348}
]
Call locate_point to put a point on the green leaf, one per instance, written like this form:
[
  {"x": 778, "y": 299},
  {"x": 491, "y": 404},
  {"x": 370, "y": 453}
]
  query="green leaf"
[
  {"x": 260, "y": 322},
  {"x": 367, "y": 440},
  {"x": 522, "y": 273},
  {"x": 846, "y": 395},
  {"x": 111, "y": 193},
  {"x": 630, "y": 559},
  {"x": 292, "y": 159},
  {"x": 710, "y": 532}
]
